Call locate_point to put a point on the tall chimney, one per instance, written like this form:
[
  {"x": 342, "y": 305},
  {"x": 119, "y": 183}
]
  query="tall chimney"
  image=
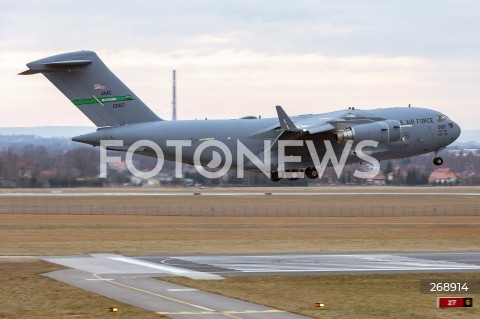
[{"x": 174, "y": 100}]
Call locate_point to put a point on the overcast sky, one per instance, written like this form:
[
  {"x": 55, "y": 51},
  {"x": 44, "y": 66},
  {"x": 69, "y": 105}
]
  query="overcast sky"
[{"x": 238, "y": 58}]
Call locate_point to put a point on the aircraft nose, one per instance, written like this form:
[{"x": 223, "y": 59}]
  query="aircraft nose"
[{"x": 455, "y": 130}]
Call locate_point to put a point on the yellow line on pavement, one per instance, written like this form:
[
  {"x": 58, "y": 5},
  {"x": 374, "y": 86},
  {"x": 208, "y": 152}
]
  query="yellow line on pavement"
[
  {"x": 207, "y": 311},
  {"x": 155, "y": 294}
]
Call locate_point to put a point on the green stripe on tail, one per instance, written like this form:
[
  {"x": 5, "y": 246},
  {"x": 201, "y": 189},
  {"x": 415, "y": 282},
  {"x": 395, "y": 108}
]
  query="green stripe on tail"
[{"x": 103, "y": 100}]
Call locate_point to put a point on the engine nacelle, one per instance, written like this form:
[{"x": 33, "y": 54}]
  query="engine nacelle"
[{"x": 387, "y": 131}]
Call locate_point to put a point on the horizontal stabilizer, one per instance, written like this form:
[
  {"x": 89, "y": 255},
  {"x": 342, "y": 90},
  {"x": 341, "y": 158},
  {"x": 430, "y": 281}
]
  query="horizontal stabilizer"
[
  {"x": 55, "y": 66},
  {"x": 70, "y": 63}
]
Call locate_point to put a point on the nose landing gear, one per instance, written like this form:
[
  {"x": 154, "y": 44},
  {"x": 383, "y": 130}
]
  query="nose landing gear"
[{"x": 437, "y": 160}]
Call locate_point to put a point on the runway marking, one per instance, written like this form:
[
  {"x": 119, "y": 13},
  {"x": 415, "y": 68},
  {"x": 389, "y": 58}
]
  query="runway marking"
[
  {"x": 168, "y": 269},
  {"x": 334, "y": 263},
  {"x": 182, "y": 289},
  {"x": 165, "y": 261},
  {"x": 105, "y": 279},
  {"x": 231, "y": 312},
  {"x": 199, "y": 313},
  {"x": 155, "y": 294},
  {"x": 241, "y": 194},
  {"x": 354, "y": 269}
]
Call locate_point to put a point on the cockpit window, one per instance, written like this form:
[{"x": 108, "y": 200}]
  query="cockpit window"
[{"x": 441, "y": 118}]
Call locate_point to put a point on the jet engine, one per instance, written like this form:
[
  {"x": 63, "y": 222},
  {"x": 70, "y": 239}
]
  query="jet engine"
[{"x": 387, "y": 131}]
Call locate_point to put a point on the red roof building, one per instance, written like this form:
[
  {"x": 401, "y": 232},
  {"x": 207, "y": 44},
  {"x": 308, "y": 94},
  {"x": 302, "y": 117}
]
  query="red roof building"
[{"x": 442, "y": 176}]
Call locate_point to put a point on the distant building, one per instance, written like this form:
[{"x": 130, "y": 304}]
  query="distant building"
[
  {"x": 443, "y": 176},
  {"x": 118, "y": 166},
  {"x": 455, "y": 152},
  {"x": 380, "y": 179},
  {"x": 471, "y": 151}
]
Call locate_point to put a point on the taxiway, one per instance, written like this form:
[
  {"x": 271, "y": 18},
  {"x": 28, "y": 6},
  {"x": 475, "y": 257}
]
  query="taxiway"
[{"x": 129, "y": 279}]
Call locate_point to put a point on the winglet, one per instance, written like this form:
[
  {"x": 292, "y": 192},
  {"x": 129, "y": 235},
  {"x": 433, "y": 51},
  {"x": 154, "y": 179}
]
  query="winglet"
[{"x": 285, "y": 121}]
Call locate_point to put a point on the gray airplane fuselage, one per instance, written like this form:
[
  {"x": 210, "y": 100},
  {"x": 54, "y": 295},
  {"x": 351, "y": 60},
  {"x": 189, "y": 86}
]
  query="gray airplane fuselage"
[{"x": 421, "y": 132}]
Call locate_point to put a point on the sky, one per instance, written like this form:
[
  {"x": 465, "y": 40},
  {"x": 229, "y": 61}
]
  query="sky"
[{"x": 240, "y": 58}]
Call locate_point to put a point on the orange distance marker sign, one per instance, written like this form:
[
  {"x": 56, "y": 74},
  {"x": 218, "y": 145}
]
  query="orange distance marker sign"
[{"x": 454, "y": 302}]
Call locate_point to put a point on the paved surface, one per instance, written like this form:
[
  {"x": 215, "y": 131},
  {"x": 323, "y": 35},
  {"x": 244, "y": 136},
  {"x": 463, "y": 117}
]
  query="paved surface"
[
  {"x": 129, "y": 279},
  {"x": 324, "y": 263},
  {"x": 235, "y": 193},
  {"x": 116, "y": 264},
  {"x": 172, "y": 300}
]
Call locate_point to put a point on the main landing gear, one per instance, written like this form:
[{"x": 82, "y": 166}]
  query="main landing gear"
[
  {"x": 293, "y": 175},
  {"x": 274, "y": 177},
  {"x": 311, "y": 172},
  {"x": 290, "y": 175}
]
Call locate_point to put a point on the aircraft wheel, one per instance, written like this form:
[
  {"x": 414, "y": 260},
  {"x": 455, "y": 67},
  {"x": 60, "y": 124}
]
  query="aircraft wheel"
[
  {"x": 293, "y": 175},
  {"x": 438, "y": 161},
  {"x": 311, "y": 172},
  {"x": 274, "y": 177}
]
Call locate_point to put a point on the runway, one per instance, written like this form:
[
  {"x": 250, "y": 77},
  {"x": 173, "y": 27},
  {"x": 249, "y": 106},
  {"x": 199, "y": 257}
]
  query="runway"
[
  {"x": 129, "y": 279},
  {"x": 325, "y": 263},
  {"x": 233, "y": 193}
]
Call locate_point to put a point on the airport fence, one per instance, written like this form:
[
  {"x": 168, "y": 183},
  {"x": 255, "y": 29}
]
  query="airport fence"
[{"x": 240, "y": 211}]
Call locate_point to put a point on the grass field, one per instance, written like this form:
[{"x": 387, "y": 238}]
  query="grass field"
[
  {"x": 26, "y": 294},
  {"x": 345, "y": 296},
  {"x": 63, "y": 234},
  {"x": 367, "y": 202},
  {"x": 59, "y": 232}
]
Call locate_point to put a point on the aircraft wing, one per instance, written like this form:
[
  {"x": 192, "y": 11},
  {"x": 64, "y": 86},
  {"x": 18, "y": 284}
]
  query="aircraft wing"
[
  {"x": 291, "y": 131},
  {"x": 321, "y": 128},
  {"x": 287, "y": 125}
]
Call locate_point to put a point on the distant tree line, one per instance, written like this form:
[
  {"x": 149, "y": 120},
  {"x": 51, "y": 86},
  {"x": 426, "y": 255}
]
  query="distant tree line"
[{"x": 27, "y": 161}]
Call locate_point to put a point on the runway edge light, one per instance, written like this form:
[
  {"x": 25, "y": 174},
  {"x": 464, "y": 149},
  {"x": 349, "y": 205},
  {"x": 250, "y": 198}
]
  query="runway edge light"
[
  {"x": 113, "y": 309},
  {"x": 319, "y": 305}
]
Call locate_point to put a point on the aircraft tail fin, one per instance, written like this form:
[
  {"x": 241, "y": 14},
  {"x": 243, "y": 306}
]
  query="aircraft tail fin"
[{"x": 88, "y": 83}]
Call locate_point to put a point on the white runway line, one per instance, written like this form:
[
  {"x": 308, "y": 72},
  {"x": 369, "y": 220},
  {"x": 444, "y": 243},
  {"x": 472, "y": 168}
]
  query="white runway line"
[
  {"x": 99, "y": 279},
  {"x": 329, "y": 263},
  {"x": 96, "y": 194},
  {"x": 167, "y": 269},
  {"x": 356, "y": 269}
]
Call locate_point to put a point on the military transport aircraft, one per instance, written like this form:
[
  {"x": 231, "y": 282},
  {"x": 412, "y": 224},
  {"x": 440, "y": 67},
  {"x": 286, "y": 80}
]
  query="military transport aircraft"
[{"x": 120, "y": 115}]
